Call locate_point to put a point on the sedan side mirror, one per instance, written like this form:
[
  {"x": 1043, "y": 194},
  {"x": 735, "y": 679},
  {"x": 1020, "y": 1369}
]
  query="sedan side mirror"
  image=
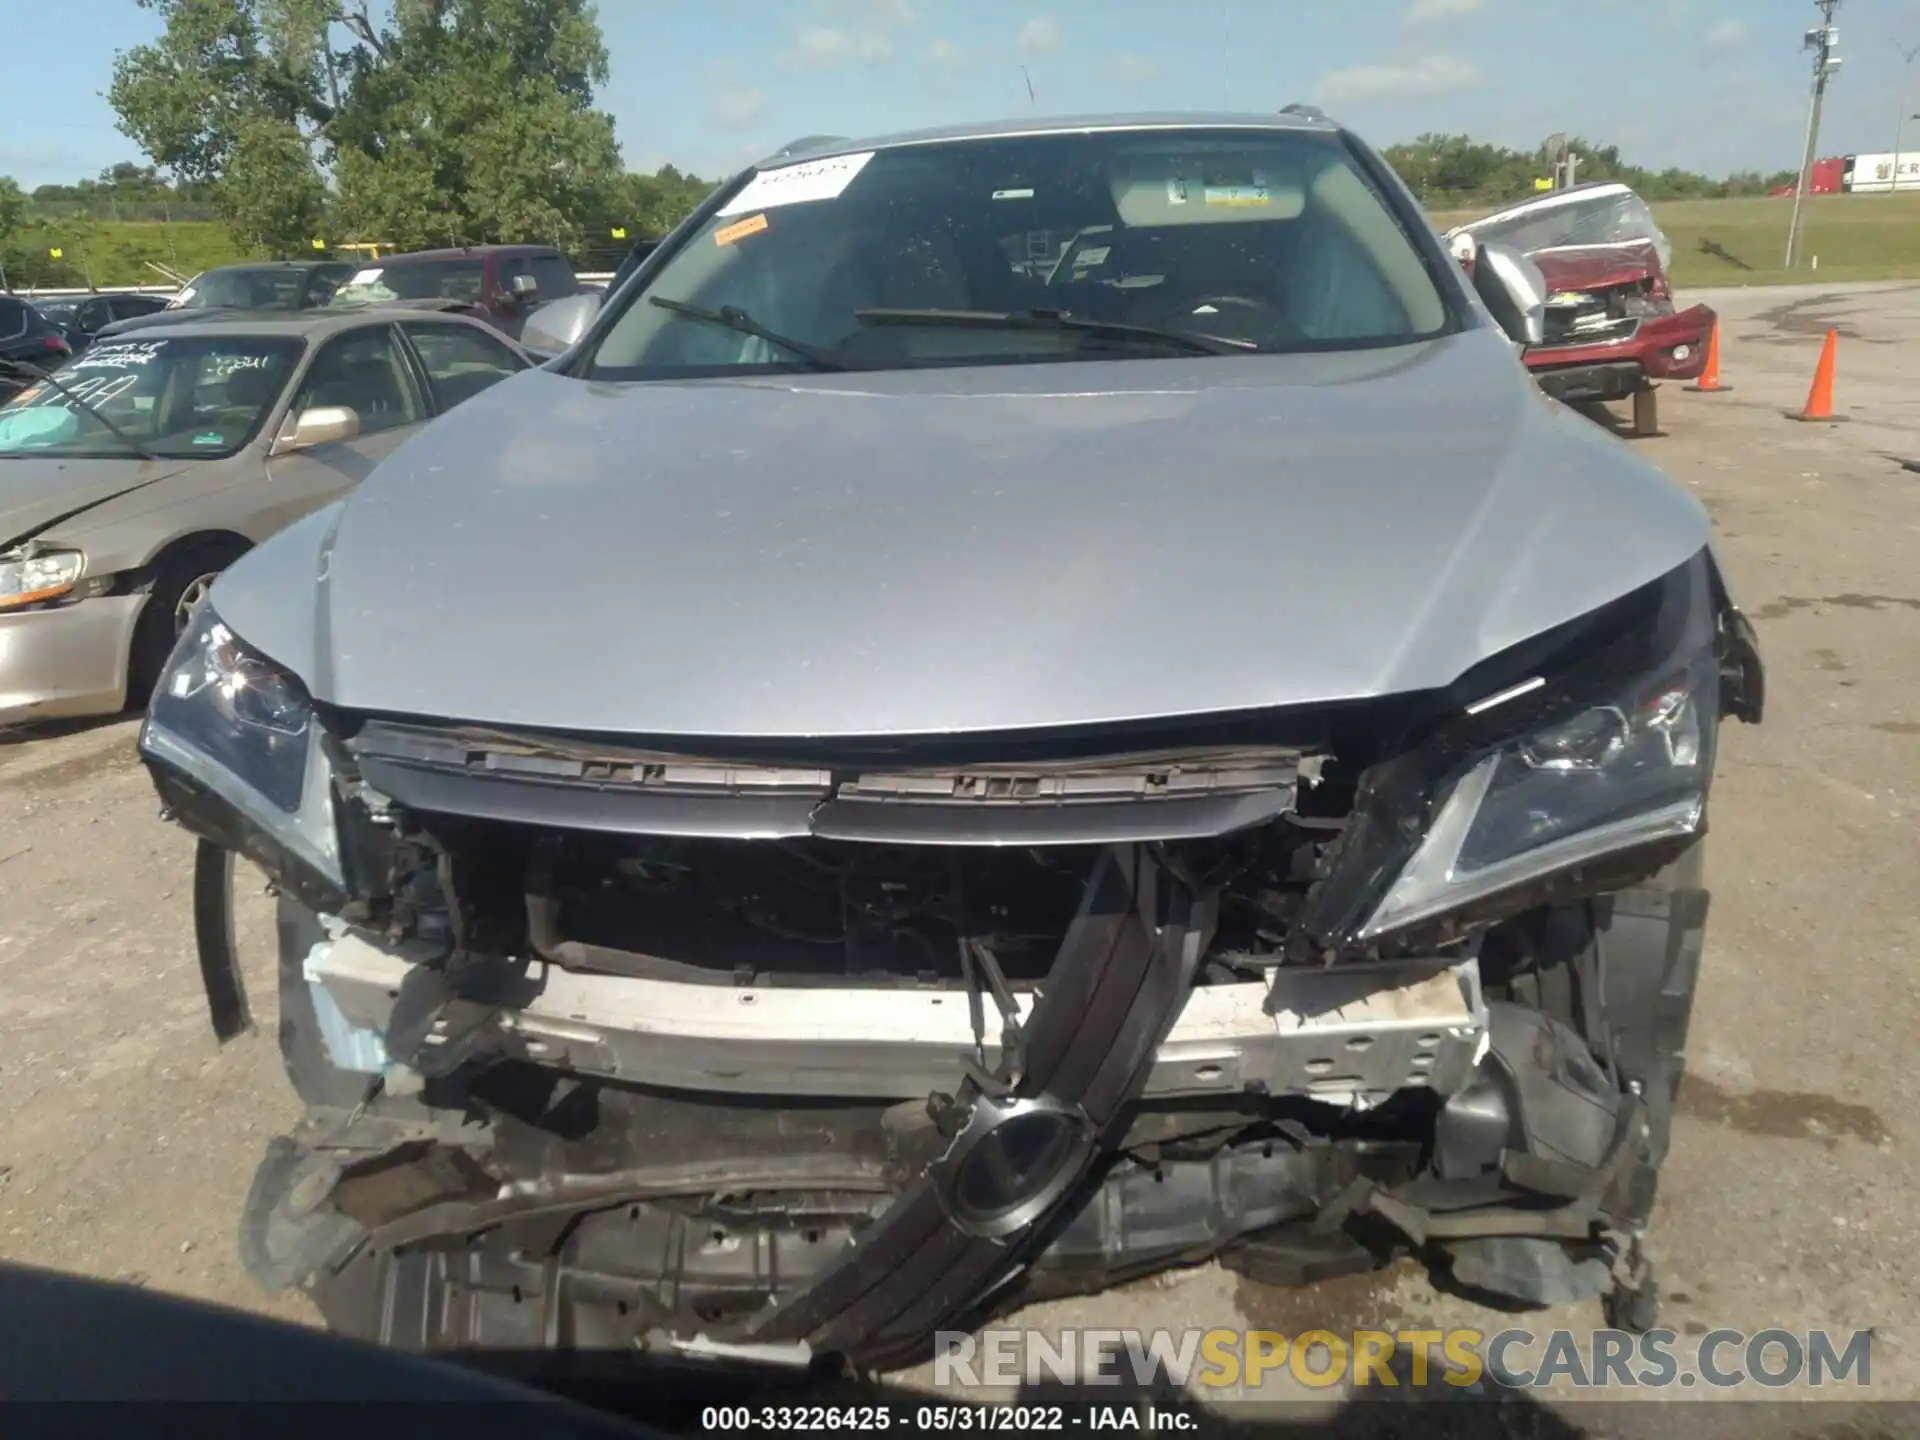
[
  {"x": 1514, "y": 290},
  {"x": 558, "y": 326},
  {"x": 316, "y": 425}
]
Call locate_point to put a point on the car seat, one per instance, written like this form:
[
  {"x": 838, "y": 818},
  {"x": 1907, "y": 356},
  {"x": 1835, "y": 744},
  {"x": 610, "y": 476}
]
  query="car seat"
[
  {"x": 369, "y": 387},
  {"x": 250, "y": 390}
]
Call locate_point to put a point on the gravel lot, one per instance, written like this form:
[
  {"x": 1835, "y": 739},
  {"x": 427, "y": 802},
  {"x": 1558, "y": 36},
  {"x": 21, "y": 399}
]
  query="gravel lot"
[{"x": 127, "y": 1140}]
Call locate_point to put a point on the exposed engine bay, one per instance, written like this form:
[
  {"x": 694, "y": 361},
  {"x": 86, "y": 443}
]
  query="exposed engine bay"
[
  {"x": 1597, "y": 314},
  {"x": 826, "y": 1048}
]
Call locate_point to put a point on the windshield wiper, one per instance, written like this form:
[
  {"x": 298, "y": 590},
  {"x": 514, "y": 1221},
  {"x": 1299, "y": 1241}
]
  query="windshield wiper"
[
  {"x": 61, "y": 385},
  {"x": 734, "y": 318},
  {"x": 1060, "y": 320}
]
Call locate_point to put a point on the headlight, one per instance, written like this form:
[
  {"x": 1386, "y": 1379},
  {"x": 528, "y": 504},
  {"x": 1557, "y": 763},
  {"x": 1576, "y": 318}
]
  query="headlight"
[
  {"x": 37, "y": 578},
  {"x": 1609, "y": 778},
  {"x": 236, "y": 710}
]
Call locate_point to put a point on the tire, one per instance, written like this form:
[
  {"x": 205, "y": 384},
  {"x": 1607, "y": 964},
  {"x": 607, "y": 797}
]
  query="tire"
[
  {"x": 1621, "y": 970},
  {"x": 179, "y": 586}
]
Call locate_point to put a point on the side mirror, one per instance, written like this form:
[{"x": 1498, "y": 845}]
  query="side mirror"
[
  {"x": 521, "y": 290},
  {"x": 1514, "y": 290},
  {"x": 558, "y": 326},
  {"x": 316, "y": 425}
]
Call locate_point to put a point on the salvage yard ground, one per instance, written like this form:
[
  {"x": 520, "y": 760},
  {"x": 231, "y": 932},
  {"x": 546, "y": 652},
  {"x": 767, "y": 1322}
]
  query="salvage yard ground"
[{"x": 127, "y": 1139}]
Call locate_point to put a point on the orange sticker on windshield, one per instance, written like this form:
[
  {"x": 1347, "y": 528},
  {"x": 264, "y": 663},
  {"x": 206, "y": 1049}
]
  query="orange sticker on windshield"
[{"x": 740, "y": 229}]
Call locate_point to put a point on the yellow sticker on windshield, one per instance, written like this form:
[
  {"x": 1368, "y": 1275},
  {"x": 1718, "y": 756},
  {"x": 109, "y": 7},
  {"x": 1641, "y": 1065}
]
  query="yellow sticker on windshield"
[{"x": 739, "y": 230}]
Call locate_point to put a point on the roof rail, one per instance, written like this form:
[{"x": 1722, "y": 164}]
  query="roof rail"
[
  {"x": 807, "y": 142},
  {"x": 1307, "y": 112}
]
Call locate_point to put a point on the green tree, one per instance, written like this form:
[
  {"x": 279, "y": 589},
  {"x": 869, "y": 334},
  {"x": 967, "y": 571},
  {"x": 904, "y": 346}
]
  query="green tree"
[
  {"x": 445, "y": 120},
  {"x": 232, "y": 95},
  {"x": 493, "y": 100},
  {"x": 271, "y": 194},
  {"x": 13, "y": 208},
  {"x": 13, "y": 216}
]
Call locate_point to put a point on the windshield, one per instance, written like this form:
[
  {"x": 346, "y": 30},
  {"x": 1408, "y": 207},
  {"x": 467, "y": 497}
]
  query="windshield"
[
  {"x": 179, "y": 398},
  {"x": 60, "y": 312},
  {"x": 418, "y": 280},
  {"x": 1612, "y": 218},
  {"x": 1272, "y": 238},
  {"x": 244, "y": 287}
]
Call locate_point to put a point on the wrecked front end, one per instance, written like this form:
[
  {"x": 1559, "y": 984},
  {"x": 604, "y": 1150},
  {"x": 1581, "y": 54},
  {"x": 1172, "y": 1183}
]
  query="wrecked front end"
[
  {"x": 1612, "y": 325},
  {"x": 827, "y": 1046}
]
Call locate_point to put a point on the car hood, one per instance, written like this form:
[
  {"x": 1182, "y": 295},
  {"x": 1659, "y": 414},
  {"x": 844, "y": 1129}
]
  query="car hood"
[
  {"x": 979, "y": 549},
  {"x": 190, "y": 316},
  {"x": 1593, "y": 267},
  {"x": 37, "y": 495}
]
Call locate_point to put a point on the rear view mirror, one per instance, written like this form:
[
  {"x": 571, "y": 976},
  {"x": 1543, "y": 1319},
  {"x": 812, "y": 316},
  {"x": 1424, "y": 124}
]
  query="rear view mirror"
[
  {"x": 1514, "y": 290},
  {"x": 317, "y": 425}
]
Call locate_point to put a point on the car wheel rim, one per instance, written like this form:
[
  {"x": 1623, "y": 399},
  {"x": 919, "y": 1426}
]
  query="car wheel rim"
[{"x": 191, "y": 599}]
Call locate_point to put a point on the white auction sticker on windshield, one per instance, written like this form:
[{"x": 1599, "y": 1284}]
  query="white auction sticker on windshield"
[
  {"x": 366, "y": 277},
  {"x": 795, "y": 184}
]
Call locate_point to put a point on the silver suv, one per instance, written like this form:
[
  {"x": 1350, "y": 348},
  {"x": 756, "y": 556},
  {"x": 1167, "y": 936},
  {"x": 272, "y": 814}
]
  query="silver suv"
[{"x": 1029, "y": 704}]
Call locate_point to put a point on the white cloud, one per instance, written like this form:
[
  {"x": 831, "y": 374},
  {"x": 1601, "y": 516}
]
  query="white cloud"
[
  {"x": 1131, "y": 70},
  {"x": 828, "y": 47},
  {"x": 1436, "y": 74},
  {"x": 1726, "y": 34},
  {"x": 1039, "y": 36},
  {"x": 1427, "y": 12},
  {"x": 848, "y": 32},
  {"x": 735, "y": 107},
  {"x": 945, "y": 54}
]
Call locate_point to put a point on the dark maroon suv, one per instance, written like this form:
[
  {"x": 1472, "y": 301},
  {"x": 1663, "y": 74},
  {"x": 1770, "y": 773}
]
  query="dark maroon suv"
[{"x": 500, "y": 284}]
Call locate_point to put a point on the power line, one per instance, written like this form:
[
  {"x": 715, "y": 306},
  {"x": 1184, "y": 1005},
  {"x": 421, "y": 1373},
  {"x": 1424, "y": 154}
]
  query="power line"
[{"x": 1822, "y": 39}]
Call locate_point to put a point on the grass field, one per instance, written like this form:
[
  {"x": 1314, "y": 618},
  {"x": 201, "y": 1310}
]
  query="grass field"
[
  {"x": 1715, "y": 242},
  {"x": 116, "y": 252},
  {"x": 1742, "y": 242}
]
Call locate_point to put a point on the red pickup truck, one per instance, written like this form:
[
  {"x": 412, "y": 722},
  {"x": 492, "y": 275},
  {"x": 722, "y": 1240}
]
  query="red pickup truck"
[
  {"x": 1612, "y": 327},
  {"x": 500, "y": 284}
]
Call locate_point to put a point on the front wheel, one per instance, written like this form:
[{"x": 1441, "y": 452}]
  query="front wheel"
[{"x": 179, "y": 590}]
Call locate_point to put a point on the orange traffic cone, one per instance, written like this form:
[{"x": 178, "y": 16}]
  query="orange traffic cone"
[
  {"x": 1820, "y": 397},
  {"x": 1709, "y": 380}
]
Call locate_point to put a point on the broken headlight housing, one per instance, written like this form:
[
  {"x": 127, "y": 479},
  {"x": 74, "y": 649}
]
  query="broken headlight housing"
[
  {"x": 237, "y": 726},
  {"x": 237, "y": 710},
  {"x": 1632, "y": 771},
  {"x": 1561, "y": 766}
]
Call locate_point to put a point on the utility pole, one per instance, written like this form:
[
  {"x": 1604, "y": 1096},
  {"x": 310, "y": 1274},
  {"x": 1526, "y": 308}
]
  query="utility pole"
[
  {"x": 1908, "y": 53},
  {"x": 1822, "y": 40}
]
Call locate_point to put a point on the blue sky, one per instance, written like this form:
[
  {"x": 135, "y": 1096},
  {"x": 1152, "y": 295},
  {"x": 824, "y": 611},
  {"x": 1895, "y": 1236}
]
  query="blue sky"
[{"x": 1710, "y": 85}]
